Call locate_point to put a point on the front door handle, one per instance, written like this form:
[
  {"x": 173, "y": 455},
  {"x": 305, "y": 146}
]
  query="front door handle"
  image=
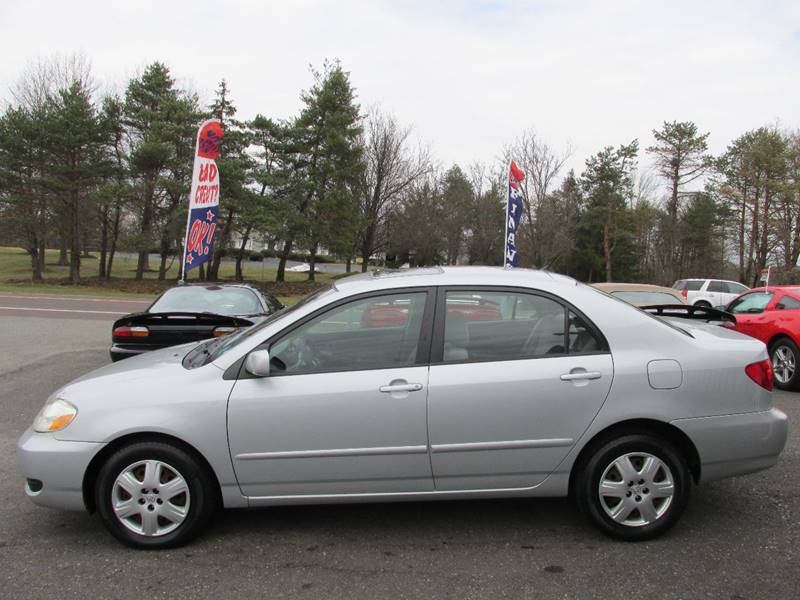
[
  {"x": 400, "y": 387},
  {"x": 581, "y": 375}
]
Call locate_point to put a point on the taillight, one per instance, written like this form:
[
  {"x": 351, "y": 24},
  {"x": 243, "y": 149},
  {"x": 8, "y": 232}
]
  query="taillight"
[
  {"x": 761, "y": 373},
  {"x": 220, "y": 331},
  {"x": 684, "y": 293},
  {"x": 125, "y": 331}
]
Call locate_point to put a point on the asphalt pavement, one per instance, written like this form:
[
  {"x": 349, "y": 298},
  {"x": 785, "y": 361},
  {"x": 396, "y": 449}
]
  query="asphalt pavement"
[{"x": 739, "y": 538}]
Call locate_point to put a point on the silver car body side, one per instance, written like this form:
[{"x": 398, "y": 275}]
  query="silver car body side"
[{"x": 365, "y": 446}]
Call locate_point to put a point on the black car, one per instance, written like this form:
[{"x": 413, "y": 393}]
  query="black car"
[{"x": 189, "y": 313}]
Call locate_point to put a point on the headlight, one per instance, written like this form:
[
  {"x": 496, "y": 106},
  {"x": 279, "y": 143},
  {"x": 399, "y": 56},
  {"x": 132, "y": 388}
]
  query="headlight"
[{"x": 54, "y": 416}]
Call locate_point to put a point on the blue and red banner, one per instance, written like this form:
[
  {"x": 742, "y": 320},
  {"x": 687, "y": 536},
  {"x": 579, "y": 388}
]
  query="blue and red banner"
[
  {"x": 201, "y": 224},
  {"x": 513, "y": 214}
]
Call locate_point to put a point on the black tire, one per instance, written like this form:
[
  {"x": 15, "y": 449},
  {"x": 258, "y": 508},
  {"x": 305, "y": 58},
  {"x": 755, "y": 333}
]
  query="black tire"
[
  {"x": 785, "y": 345},
  {"x": 588, "y": 482},
  {"x": 202, "y": 497},
  {"x": 703, "y": 304}
]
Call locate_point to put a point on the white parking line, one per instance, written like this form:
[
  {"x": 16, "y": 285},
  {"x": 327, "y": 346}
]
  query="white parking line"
[
  {"x": 12, "y": 296},
  {"x": 64, "y": 310}
]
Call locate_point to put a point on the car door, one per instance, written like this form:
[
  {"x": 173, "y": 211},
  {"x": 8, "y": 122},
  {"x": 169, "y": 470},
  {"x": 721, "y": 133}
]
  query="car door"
[
  {"x": 510, "y": 392},
  {"x": 716, "y": 292},
  {"x": 343, "y": 410}
]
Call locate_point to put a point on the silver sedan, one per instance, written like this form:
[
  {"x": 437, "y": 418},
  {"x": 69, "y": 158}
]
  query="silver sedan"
[{"x": 414, "y": 385}]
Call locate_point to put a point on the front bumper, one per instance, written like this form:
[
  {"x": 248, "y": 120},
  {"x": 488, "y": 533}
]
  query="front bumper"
[
  {"x": 58, "y": 465},
  {"x": 731, "y": 445}
]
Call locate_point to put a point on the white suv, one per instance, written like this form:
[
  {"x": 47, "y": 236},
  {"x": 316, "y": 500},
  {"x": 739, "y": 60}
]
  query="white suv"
[{"x": 709, "y": 292}]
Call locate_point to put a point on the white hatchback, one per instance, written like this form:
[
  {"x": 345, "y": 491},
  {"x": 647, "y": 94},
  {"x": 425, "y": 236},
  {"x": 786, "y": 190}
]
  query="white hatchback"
[{"x": 709, "y": 292}]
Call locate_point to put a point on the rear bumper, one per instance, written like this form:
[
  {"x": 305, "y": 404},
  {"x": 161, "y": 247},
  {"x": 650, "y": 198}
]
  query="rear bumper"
[
  {"x": 120, "y": 351},
  {"x": 731, "y": 445},
  {"x": 54, "y": 469}
]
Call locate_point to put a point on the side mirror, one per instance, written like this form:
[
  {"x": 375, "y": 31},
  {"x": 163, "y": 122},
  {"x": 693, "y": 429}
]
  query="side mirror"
[
  {"x": 780, "y": 306},
  {"x": 257, "y": 363}
]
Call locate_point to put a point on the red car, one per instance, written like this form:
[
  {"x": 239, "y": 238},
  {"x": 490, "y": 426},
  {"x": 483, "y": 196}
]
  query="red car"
[
  {"x": 385, "y": 314},
  {"x": 772, "y": 315}
]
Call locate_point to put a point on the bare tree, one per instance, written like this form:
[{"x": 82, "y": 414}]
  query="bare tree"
[
  {"x": 42, "y": 79},
  {"x": 392, "y": 166}
]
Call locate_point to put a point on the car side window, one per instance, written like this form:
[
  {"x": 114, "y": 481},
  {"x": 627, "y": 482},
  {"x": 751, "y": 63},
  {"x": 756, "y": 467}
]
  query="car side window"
[
  {"x": 790, "y": 303},
  {"x": 717, "y": 286},
  {"x": 496, "y": 326},
  {"x": 736, "y": 288},
  {"x": 582, "y": 338},
  {"x": 379, "y": 332}
]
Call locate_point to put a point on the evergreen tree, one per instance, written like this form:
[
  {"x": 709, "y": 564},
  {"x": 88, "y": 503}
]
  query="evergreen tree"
[
  {"x": 607, "y": 184},
  {"x": 151, "y": 115},
  {"x": 329, "y": 129}
]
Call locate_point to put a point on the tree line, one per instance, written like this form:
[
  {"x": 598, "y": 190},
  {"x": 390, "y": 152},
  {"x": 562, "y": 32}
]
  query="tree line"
[{"x": 88, "y": 172}]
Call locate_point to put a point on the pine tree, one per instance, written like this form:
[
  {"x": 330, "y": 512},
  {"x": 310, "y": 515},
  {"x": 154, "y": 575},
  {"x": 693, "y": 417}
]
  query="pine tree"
[{"x": 329, "y": 129}]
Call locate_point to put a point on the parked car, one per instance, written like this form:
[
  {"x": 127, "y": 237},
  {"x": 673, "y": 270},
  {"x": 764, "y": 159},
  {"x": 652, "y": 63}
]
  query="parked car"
[
  {"x": 709, "y": 292},
  {"x": 189, "y": 313},
  {"x": 394, "y": 313},
  {"x": 641, "y": 294},
  {"x": 772, "y": 315},
  {"x": 569, "y": 392}
]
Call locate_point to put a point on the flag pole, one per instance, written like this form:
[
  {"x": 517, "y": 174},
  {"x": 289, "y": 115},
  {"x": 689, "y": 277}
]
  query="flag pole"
[
  {"x": 508, "y": 201},
  {"x": 189, "y": 208}
]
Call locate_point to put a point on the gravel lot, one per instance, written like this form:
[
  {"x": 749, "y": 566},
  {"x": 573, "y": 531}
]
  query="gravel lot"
[{"x": 739, "y": 538}]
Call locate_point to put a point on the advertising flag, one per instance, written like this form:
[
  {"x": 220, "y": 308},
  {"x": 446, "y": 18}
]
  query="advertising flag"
[
  {"x": 198, "y": 245},
  {"x": 513, "y": 214}
]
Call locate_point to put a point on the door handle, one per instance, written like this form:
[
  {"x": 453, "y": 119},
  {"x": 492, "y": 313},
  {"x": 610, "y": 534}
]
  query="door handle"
[
  {"x": 400, "y": 387},
  {"x": 581, "y": 375}
]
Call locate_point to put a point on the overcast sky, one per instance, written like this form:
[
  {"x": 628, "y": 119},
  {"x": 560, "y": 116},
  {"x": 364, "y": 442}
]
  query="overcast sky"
[{"x": 467, "y": 75}]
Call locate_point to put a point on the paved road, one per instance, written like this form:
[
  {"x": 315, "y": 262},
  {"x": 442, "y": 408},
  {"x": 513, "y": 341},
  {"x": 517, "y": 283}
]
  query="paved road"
[
  {"x": 739, "y": 538},
  {"x": 68, "y": 307}
]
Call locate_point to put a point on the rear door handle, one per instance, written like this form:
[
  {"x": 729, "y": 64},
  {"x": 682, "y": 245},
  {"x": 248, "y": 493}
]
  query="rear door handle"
[
  {"x": 400, "y": 387},
  {"x": 581, "y": 375}
]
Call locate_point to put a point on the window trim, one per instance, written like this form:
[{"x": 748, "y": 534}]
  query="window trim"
[
  {"x": 237, "y": 371},
  {"x": 437, "y": 345}
]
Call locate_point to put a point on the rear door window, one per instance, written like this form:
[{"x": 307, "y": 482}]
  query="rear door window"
[
  {"x": 692, "y": 285},
  {"x": 718, "y": 286}
]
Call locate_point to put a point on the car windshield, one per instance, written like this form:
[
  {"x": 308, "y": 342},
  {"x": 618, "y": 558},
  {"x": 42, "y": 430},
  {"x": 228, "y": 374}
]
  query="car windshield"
[
  {"x": 216, "y": 299},
  {"x": 212, "y": 349},
  {"x": 750, "y": 303},
  {"x": 645, "y": 298}
]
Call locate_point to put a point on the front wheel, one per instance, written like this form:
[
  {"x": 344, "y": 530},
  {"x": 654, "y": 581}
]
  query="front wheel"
[
  {"x": 784, "y": 355},
  {"x": 154, "y": 495},
  {"x": 634, "y": 487}
]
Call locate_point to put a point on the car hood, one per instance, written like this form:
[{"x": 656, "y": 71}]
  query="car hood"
[
  {"x": 149, "y": 392},
  {"x": 143, "y": 369}
]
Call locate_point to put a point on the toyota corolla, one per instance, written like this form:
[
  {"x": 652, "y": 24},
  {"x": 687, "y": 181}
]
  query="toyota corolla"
[{"x": 564, "y": 391}]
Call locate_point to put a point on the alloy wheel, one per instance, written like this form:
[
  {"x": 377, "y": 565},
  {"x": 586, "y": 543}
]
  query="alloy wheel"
[
  {"x": 636, "y": 489},
  {"x": 150, "y": 498},
  {"x": 783, "y": 364}
]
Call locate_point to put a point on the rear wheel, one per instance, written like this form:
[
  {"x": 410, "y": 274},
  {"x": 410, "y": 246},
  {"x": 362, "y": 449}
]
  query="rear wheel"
[
  {"x": 154, "y": 495},
  {"x": 634, "y": 487},
  {"x": 784, "y": 356},
  {"x": 703, "y": 304}
]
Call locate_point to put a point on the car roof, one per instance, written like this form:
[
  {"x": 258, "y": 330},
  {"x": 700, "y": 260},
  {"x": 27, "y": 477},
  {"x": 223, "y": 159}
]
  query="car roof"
[
  {"x": 781, "y": 288},
  {"x": 443, "y": 276},
  {"x": 709, "y": 279},
  {"x": 634, "y": 287}
]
